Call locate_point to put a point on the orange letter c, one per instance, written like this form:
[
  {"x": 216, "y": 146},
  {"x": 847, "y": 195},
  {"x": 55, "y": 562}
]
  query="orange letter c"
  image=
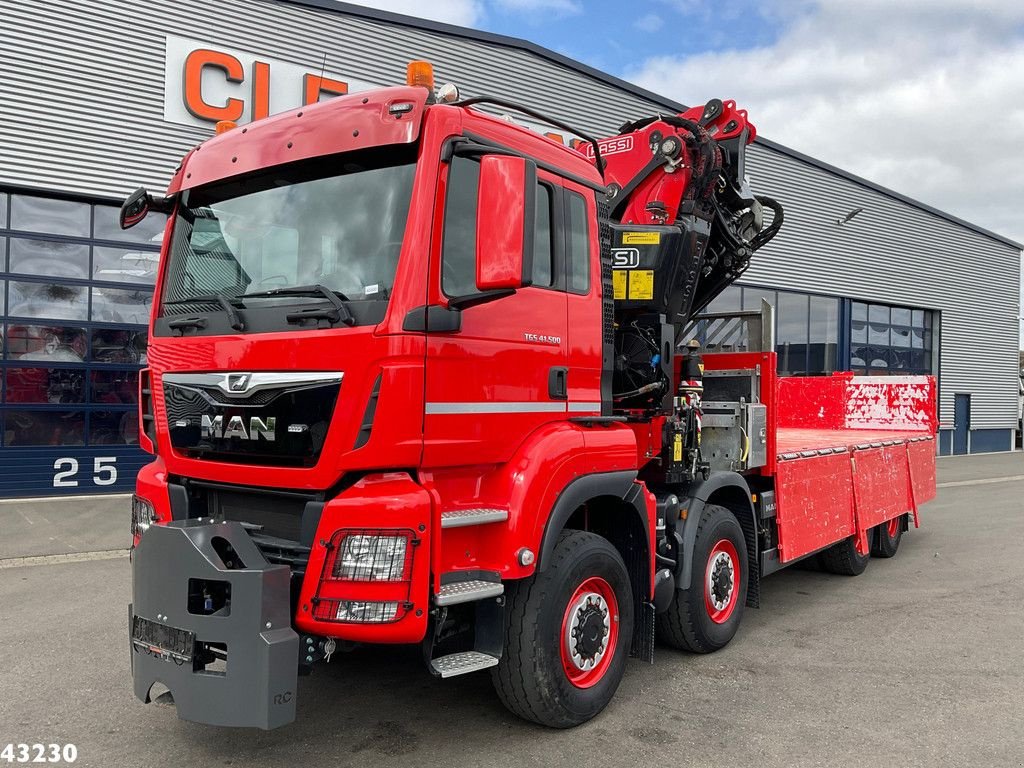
[{"x": 195, "y": 63}]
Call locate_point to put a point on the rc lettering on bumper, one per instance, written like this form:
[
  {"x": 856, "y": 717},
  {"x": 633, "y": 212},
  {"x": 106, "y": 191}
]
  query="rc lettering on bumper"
[{"x": 203, "y": 595}]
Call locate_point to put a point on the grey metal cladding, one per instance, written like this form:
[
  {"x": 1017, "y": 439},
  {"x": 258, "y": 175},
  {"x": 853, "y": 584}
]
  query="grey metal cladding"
[{"x": 81, "y": 93}]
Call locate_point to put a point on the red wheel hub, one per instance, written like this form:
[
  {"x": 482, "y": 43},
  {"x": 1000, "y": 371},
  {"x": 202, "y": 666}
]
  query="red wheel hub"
[
  {"x": 721, "y": 581},
  {"x": 590, "y": 632},
  {"x": 894, "y": 527}
]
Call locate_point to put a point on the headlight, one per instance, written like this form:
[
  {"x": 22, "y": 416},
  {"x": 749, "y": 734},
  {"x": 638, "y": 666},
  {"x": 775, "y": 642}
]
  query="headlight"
[
  {"x": 371, "y": 557},
  {"x": 143, "y": 516}
]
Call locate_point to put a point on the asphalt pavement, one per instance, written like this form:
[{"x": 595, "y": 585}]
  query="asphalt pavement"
[{"x": 918, "y": 662}]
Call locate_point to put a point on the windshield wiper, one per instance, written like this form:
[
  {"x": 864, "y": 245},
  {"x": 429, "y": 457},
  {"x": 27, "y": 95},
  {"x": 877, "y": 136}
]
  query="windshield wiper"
[
  {"x": 338, "y": 311},
  {"x": 233, "y": 317}
]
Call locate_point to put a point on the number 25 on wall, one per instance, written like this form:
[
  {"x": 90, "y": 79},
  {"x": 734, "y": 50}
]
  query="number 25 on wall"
[{"x": 104, "y": 471}]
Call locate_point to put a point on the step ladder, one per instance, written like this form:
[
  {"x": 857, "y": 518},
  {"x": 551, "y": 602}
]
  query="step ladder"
[{"x": 485, "y": 590}]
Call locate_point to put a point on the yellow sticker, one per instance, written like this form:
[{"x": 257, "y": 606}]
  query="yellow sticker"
[
  {"x": 641, "y": 238},
  {"x": 677, "y": 448},
  {"x": 641, "y": 284},
  {"x": 619, "y": 284}
]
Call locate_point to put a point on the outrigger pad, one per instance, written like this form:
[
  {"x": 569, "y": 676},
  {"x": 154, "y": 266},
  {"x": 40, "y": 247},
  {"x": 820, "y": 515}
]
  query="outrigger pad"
[{"x": 211, "y": 620}]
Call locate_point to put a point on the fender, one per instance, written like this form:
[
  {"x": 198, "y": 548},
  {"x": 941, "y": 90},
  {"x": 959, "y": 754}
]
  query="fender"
[
  {"x": 578, "y": 492},
  {"x": 694, "y": 503}
]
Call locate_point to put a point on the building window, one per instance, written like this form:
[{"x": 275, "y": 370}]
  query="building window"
[
  {"x": 75, "y": 292},
  {"x": 889, "y": 340},
  {"x": 806, "y": 328}
]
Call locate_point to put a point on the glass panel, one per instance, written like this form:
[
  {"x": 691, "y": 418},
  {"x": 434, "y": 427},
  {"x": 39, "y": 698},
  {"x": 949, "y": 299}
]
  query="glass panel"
[
  {"x": 859, "y": 311},
  {"x": 858, "y": 331},
  {"x": 115, "y": 387},
  {"x": 752, "y": 298},
  {"x": 48, "y": 343},
  {"x": 901, "y": 360},
  {"x": 878, "y": 314},
  {"x": 878, "y": 334},
  {"x": 900, "y": 316},
  {"x": 917, "y": 318},
  {"x": 791, "y": 333},
  {"x": 121, "y": 305},
  {"x": 123, "y": 266},
  {"x": 45, "y": 214},
  {"x": 114, "y": 427},
  {"x": 917, "y": 338},
  {"x": 921, "y": 360},
  {"x": 579, "y": 244},
  {"x": 459, "y": 269},
  {"x": 107, "y": 226},
  {"x": 542, "y": 259},
  {"x": 727, "y": 301},
  {"x": 928, "y": 319},
  {"x": 44, "y": 385},
  {"x": 3, "y": 210},
  {"x": 119, "y": 345},
  {"x": 858, "y": 356},
  {"x": 44, "y": 428},
  {"x": 901, "y": 337},
  {"x": 61, "y": 302},
  {"x": 824, "y": 335},
  {"x": 49, "y": 257},
  {"x": 3, "y": 299}
]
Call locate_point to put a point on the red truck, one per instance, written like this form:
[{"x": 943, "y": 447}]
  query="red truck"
[{"x": 421, "y": 375}]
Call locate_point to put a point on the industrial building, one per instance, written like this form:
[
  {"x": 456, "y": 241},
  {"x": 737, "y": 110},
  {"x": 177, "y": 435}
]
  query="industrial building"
[{"x": 96, "y": 103}]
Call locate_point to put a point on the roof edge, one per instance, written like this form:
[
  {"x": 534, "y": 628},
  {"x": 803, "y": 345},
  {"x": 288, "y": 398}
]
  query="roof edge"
[{"x": 390, "y": 17}]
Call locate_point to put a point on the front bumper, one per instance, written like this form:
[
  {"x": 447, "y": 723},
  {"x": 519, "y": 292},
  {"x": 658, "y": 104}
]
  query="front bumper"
[{"x": 257, "y": 685}]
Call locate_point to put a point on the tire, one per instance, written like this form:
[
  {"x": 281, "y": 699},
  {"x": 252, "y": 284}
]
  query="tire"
[
  {"x": 885, "y": 538},
  {"x": 844, "y": 559},
  {"x": 538, "y": 677},
  {"x": 700, "y": 619}
]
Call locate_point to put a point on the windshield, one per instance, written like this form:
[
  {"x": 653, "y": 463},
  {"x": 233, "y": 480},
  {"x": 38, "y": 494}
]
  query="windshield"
[{"x": 336, "y": 222}]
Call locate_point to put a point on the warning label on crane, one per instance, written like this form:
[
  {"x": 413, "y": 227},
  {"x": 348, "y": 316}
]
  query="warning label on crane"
[
  {"x": 633, "y": 284},
  {"x": 641, "y": 284},
  {"x": 641, "y": 238}
]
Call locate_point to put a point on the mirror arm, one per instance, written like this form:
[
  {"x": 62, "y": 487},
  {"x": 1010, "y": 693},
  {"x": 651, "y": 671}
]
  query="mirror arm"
[
  {"x": 473, "y": 299},
  {"x": 162, "y": 204}
]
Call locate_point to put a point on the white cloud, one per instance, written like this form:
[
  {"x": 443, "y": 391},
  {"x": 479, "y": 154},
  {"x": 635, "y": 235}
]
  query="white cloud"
[
  {"x": 557, "y": 7},
  {"x": 923, "y": 96},
  {"x": 650, "y": 22},
  {"x": 465, "y": 13}
]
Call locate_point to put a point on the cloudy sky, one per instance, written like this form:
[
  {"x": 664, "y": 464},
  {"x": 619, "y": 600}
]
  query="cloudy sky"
[{"x": 925, "y": 97}]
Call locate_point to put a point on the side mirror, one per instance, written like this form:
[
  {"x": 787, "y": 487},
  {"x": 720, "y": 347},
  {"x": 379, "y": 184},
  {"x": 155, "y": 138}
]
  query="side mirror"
[
  {"x": 506, "y": 208},
  {"x": 135, "y": 208}
]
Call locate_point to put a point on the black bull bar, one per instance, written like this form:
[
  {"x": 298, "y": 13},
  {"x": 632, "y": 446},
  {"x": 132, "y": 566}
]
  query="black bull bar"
[{"x": 211, "y": 619}]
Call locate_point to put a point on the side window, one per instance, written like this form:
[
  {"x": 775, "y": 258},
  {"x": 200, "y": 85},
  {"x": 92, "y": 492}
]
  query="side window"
[
  {"x": 578, "y": 267},
  {"x": 458, "y": 257},
  {"x": 543, "y": 256}
]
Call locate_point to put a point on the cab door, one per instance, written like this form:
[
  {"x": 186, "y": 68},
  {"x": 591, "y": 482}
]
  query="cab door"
[{"x": 502, "y": 373}]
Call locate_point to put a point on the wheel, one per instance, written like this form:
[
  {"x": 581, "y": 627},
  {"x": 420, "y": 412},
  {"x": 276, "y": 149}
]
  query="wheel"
[
  {"x": 885, "y": 538},
  {"x": 705, "y": 617},
  {"x": 844, "y": 559},
  {"x": 567, "y": 634}
]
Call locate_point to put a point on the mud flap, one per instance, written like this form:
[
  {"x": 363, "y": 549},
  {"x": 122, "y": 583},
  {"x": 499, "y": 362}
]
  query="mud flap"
[{"x": 211, "y": 620}]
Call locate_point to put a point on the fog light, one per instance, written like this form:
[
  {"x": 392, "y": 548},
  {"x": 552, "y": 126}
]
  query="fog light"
[
  {"x": 371, "y": 556},
  {"x": 366, "y": 611},
  {"x": 143, "y": 516}
]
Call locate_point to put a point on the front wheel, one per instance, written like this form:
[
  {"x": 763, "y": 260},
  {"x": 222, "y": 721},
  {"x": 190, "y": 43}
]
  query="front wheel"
[
  {"x": 705, "y": 617},
  {"x": 567, "y": 634}
]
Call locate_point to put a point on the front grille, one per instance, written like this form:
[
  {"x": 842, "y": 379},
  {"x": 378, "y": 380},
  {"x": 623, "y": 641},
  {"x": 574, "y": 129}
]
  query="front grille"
[
  {"x": 283, "y": 552},
  {"x": 283, "y": 422}
]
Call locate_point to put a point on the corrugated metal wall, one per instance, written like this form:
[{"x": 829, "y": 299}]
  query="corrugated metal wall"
[{"x": 81, "y": 110}]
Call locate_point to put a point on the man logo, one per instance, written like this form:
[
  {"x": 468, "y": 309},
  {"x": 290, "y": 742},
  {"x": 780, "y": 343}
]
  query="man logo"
[
  {"x": 625, "y": 258},
  {"x": 214, "y": 428},
  {"x": 238, "y": 382}
]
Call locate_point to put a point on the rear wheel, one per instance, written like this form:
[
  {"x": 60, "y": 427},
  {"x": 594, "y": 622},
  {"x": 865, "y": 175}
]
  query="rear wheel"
[
  {"x": 886, "y": 537},
  {"x": 705, "y": 617},
  {"x": 844, "y": 559},
  {"x": 567, "y": 634}
]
